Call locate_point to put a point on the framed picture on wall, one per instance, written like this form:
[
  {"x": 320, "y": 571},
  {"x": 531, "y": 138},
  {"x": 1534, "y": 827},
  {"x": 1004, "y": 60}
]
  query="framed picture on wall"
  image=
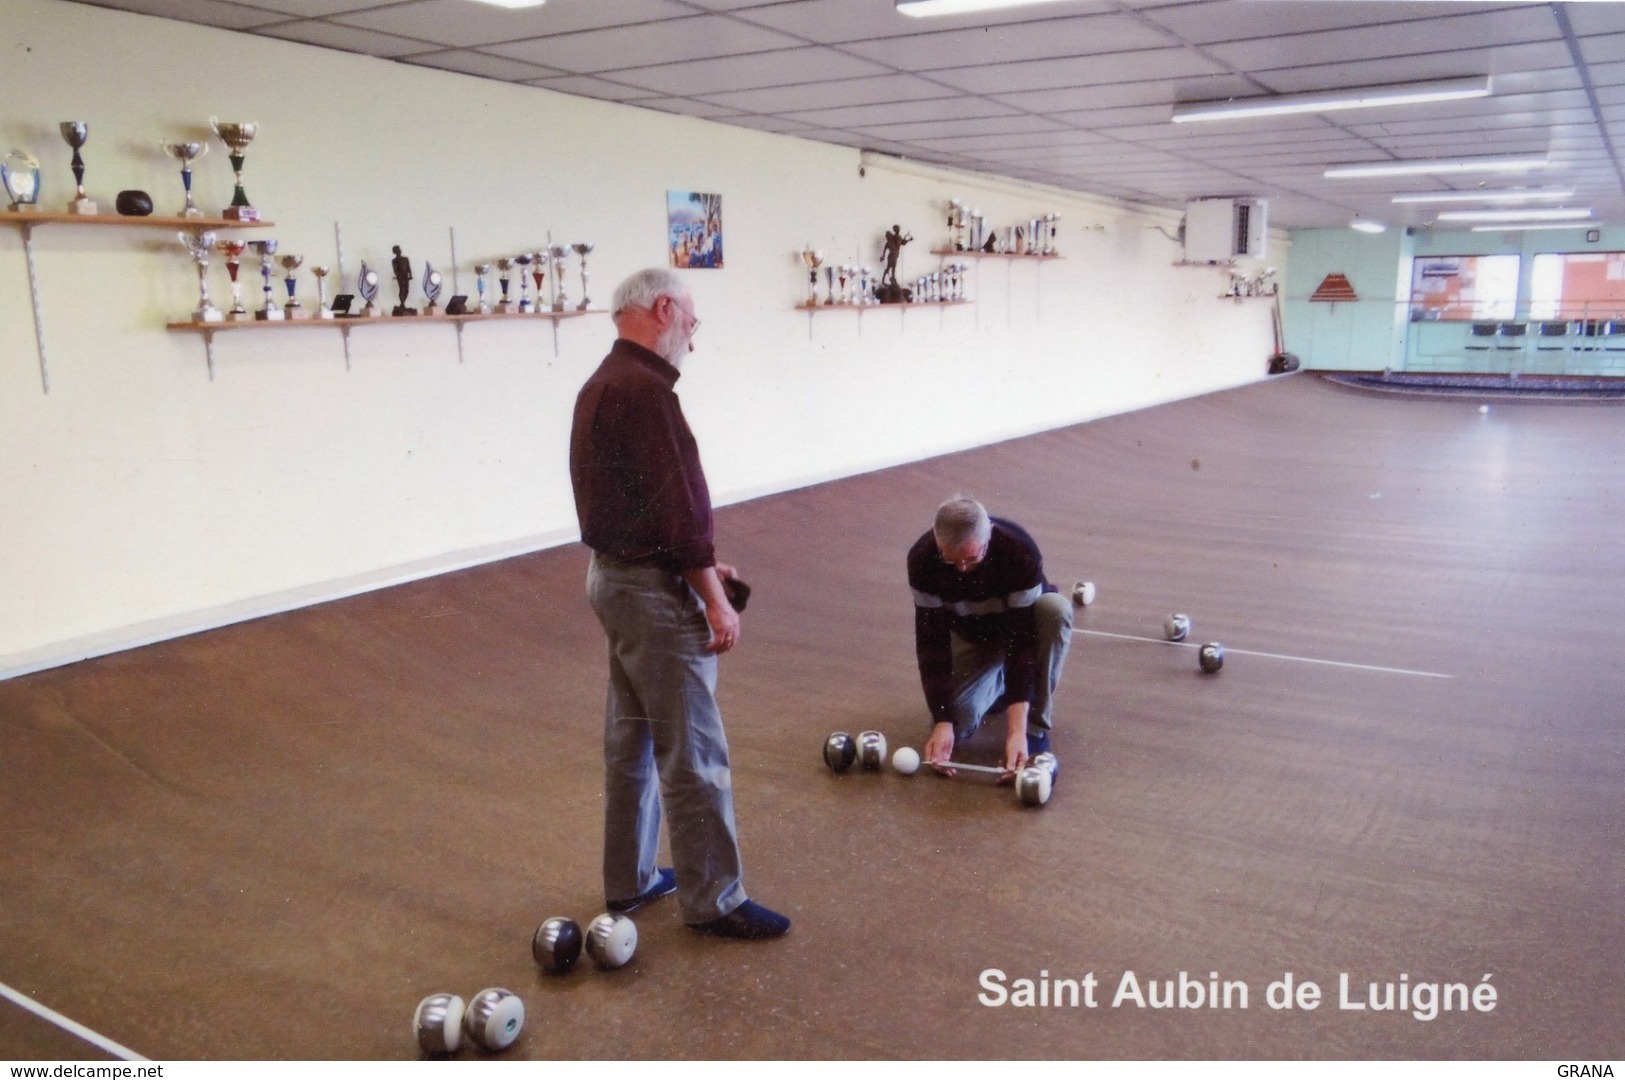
[{"x": 694, "y": 230}]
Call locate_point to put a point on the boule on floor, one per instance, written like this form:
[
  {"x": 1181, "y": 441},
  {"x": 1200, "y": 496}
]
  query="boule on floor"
[{"x": 274, "y": 839}]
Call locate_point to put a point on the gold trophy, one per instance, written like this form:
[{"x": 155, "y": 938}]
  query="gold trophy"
[
  {"x": 198, "y": 244},
  {"x": 237, "y": 137},
  {"x": 322, "y": 310},
  {"x": 812, "y": 260}
]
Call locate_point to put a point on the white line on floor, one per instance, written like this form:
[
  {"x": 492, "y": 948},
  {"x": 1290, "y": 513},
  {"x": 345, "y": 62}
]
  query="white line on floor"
[
  {"x": 70, "y": 1026},
  {"x": 1273, "y": 656}
]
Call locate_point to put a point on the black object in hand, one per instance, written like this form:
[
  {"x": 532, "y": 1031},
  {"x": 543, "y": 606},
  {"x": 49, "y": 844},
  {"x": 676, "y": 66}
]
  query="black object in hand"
[{"x": 737, "y": 592}]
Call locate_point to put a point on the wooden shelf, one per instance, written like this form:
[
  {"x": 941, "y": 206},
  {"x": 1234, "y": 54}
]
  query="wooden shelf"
[
  {"x": 383, "y": 320},
  {"x": 945, "y": 252},
  {"x": 150, "y": 221},
  {"x": 884, "y": 307}
]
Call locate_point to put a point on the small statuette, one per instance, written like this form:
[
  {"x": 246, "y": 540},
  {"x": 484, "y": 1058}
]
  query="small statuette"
[
  {"x": 76, "y": 133},
  {"x": 270, "y": 312},
  {"x": 236, "y": 138},
  {"x": 233, "y": 251},
  {"x": 583, "y": 250},
  {"x": 480, "y": 270},
  {"x": 366, "y": 284},
  {"x": 402, "y": 266},
  {"x": 198, "y": 244},
  {"x": 186, "y": 153},
  {"x": 322, "y": 310},
  {"x": 291, "y": 263},
  {"x": 431, "y": 285},
  {"x": 20, "y": 174}
]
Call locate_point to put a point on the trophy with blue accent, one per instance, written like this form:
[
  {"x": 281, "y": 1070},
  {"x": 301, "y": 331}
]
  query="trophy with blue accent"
[
  {"x": 186, "y": 153},
  {"x": 76, "y": 133},
  {"x": 432, "y": 284},
  {"x": 199, "y": 244},
  {"x": 524, "y": 262},
  {"x": 292, "y": 310},
  {"x": 366, "y": 283},
  {"x": 504, "y": 305},
  {"x": 270, "y": 312},
  {"x": 480, "y": 270},
  {"x": 20, "y": 174},
  {"x": 236, "y": 138}
]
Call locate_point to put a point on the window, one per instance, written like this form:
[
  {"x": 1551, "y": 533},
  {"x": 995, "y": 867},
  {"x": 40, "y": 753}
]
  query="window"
[{"x": 1464, "y": 287}]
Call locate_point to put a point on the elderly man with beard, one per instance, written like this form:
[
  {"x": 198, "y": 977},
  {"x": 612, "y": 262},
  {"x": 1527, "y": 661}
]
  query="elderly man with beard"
[{"x": 657, "y": 589}]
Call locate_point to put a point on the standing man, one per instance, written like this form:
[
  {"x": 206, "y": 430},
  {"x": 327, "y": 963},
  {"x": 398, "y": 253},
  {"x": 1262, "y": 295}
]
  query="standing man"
[
  {"x": 990, "y": 633},
  {"x": 656, "y": 586}
]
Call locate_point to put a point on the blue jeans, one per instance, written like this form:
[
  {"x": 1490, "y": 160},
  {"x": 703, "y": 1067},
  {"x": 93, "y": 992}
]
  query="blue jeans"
[
  {"x": 979, "y": 670},
  {"x": 663, "y": 742}
]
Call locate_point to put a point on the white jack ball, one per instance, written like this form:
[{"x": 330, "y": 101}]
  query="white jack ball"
[{"x": 906, "y": 761}]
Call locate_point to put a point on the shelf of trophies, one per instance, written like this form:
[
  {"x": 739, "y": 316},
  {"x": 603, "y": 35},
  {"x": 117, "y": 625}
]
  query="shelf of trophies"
[
  {"x": 344, "y": 322},
  {"x": 1031, "y": 256},
  {"x": 149, "y": 221}
]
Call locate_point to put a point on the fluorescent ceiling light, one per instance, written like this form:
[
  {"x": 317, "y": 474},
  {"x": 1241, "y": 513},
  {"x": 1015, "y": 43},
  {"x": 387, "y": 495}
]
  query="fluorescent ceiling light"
[
  {"x": 1329, "y": 101},
  {"x": 1362, "y": 225},
  {"x": 919, "y": 8},
  {"x": 1511, "y": 163},
  {"x": 515, "y": 3},
  {"x": 1525, "y": 195},
  {"x": 1525, "y": 226},
  {"x": 1515, "y": 215}
]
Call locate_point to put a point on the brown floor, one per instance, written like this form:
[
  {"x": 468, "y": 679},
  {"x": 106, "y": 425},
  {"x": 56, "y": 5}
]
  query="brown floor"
[{"x": 271, "y": 840}]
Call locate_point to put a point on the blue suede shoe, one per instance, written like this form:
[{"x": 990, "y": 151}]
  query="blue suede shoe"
[
  {"x": 1037, "y": 742},
  {"x": 665, "y": 884},
  {"x": 749, "y": 921}
]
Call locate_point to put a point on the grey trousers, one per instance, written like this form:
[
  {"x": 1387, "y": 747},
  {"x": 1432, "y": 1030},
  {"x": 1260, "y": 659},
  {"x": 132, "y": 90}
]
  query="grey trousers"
[
  {"x": 663, "y": 742},
  {"x": 979, "y": 670}
]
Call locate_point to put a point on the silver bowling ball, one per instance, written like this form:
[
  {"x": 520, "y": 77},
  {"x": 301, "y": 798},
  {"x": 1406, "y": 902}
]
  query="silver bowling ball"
[
  {"x": 1177, "y": 627},
  {"x": 438, "y": 1024},
  {"x": 1034, "y": 785},
  {"x": 840, "y": 751},
  {"x": 611, "y": 940},
  {"x": 1211, "y": 657},
  {"x": 871, "y": 750},
  {"x": 494, "y": 1018},
  {"x": 557, "y": 945}
]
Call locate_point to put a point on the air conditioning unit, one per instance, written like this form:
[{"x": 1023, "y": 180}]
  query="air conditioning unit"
[{"x": 1218, "y": 230}]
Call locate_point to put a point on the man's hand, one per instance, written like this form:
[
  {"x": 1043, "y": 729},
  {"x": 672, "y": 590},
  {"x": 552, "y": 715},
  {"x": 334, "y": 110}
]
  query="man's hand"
[
  {"x": 939, "y": 748},
  {"x": 1015, "y": 740},
  {"x": 719, "y": 614}
]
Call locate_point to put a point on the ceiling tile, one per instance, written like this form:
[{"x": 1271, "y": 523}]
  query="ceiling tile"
[
  {"x": 704, "y": 77},
  {"x": 997, "y": 125},
  {"x": 1145, "y": 66},
  {"x": 869, "y": 116},
  {"x": 590, "y": 86},
  {"x": 207, "y": 12},
  {"x": 670, "y": 41},
  {"x": 1453, "y": 34},
  {"x": 461, "y": 23},
  {"x": 1249, "y": 20},
  {"x": 311, "y": 9},
  {"x": 833, "y": 95},
  {"x": 1589, "y": 19},
  {"x": 469, "y": 62},
  {"x": 1003, "y": 44},
  {"x": 332, "y": 36},
  {"x": 828, "y": 21},
  {"x": 1108, "y": 95}
]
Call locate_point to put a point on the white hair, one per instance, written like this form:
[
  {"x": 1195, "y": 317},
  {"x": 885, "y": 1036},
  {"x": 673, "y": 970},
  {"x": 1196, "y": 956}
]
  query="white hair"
[
  {"x": 961, "y": 519},
  {"x": 643, "y": 288}
]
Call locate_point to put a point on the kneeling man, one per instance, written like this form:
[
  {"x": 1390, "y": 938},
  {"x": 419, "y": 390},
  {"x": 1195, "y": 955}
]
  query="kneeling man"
[{"x": 990, "y": 632}]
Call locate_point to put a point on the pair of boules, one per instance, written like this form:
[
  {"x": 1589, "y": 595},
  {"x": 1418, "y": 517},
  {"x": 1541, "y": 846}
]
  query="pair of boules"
[
  {"x": 491, "y": 1020},
  {"x": 842, "y": 751},
  {"x": 1036, "y": 781},
  {"x": 610, "y": 940}
]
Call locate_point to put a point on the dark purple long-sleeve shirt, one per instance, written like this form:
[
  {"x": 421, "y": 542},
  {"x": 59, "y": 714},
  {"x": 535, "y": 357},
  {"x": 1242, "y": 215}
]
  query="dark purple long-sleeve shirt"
[
  {"x": 640, "y": 493},
  {"x": 991, "y": 603}
]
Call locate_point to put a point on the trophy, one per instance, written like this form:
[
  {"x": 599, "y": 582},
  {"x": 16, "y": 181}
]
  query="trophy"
[
  {"x": 198, "y": 244},
  {"x": 538, "y": 274},
  {"x": 524, "y": 261},
  {"x": 956, "y": 224},
  {"x": 20, "y": 174},
  {"x": 76, "y": 133},
  {"x": 1050, "y": 247},
  {"x": 978, "y": 230},
  {"x": 583, "y": 250},
  {"x": 829, "y": 286},
  {"x": 560, "y": 255},
  {"x": 431, "y": 285},
  {"x": 812, "y": 260},
  {"x": 186, "y": 153},
  {"x": 270, "y": 312},
  {"x": 503, "y": 266},
  {"x": 322, "y": 310},
  {"x": 291, "y": 263},
  {"x": 237, "y": 137},
  {"x": 233, "y": 251},
  {"x": 366, "y": 283},
  {"x": 480, "y": 270}
]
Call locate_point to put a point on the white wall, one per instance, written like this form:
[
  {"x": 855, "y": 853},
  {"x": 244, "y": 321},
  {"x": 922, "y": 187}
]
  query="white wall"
[{"x": 141, "y": 499}]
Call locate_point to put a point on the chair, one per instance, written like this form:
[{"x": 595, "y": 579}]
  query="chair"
[
  {"x": 1552, "y": 337},
  {"x": 1482, "y": 330}
]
